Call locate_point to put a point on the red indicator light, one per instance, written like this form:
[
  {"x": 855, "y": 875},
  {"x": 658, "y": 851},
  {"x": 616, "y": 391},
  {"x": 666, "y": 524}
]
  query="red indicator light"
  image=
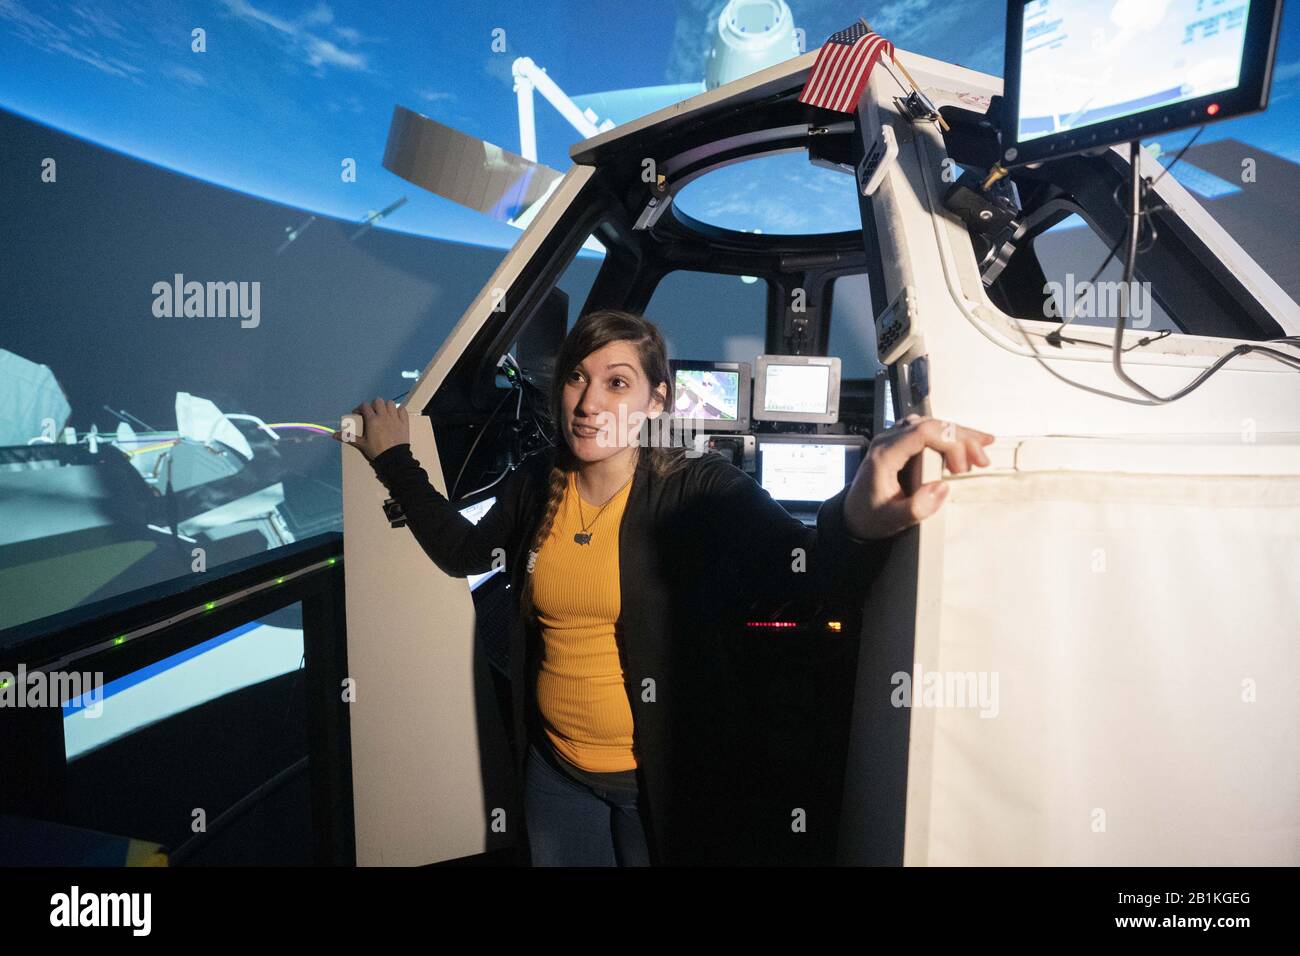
[{"x": 1212, "y": 108}]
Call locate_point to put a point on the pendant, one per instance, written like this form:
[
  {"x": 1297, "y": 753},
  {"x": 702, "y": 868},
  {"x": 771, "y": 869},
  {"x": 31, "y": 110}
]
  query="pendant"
[{"x": 582, "y": 537}]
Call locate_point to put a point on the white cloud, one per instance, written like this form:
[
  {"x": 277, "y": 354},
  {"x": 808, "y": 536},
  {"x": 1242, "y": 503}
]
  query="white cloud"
[
  {"x": 95, "y": 23},
  {"x": 902, "y": 17},
  {"x": 47, "y": 35},
  {"x": 186, "y": 75},
  {"x": 109, "y": 65},
  {"x": 249, "y": 12},
  {"x": 320, "y": 14},
  {"x": 323, "y": 51},
  {"x": 300, "y": 39},
  {"x": 918, "y": 24}
]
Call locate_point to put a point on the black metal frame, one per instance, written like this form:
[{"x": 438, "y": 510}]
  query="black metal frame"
[{"x": 1198, "y": 290}]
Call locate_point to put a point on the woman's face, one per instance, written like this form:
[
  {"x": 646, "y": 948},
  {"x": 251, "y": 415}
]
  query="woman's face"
[{"x": 605, "y": 399}]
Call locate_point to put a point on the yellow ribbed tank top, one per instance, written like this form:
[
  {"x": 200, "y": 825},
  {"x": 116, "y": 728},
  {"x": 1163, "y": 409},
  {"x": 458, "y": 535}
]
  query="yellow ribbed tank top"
[{"x": 580, "y": 691}]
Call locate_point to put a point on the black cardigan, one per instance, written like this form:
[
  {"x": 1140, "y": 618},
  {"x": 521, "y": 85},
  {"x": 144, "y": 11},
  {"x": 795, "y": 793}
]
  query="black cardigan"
[{"x": 695, "y": 550}]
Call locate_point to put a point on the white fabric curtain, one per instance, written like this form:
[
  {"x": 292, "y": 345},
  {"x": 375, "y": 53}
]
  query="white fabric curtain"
[{"x": 1129, "y": 648}]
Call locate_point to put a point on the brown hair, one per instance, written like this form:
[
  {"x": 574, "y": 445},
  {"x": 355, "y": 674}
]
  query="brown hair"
[{"x": 591, "y": 332}]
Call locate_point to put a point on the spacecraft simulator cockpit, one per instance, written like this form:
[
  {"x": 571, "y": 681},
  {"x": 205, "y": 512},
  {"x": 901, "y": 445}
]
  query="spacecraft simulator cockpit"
[{"x": 1108, "y": 592}]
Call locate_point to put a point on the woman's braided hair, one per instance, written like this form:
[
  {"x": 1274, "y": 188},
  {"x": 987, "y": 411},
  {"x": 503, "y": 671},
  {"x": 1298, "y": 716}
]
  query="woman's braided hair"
[{"x": 591, "y": 332}]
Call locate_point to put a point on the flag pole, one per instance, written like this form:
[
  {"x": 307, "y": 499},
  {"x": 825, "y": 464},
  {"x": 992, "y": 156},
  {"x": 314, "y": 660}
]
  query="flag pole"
[
  {"x": 899, "y": 63},
  {"x": 890, "y": 71},
  {"x": 918, "y": 89}
]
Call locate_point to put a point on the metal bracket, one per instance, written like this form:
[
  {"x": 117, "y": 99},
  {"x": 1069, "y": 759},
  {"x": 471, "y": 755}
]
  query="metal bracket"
[
  {"x": 872, "y": 169},
  {"x": 393, "y": 512},
  {"x": 895, "y": 327},
  {"x": 916, "y": 106},
  {"x": 914, "y": 382},
  {"x": 651, "y": 213},
  {"x": 918, "y": 379}
]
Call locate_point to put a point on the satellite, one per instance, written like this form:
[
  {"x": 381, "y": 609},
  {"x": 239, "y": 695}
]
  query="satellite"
[{"x": 373, "y": 217}]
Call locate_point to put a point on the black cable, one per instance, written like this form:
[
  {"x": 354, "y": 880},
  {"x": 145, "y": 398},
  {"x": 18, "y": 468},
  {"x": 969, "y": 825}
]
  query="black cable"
[
  {"x": 1147, "y": 340},
  {"x": 1054, "y": 338},
  {"x": 451, "y": 496},
  {"x": 1131, "y": 233},
  {"x": 1121, "y": 321}
]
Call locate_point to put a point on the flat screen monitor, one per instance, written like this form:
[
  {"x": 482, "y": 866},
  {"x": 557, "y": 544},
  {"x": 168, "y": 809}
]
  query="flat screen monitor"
[
  {"x": 797, "y": 388},
  {"x": 711, "y": 396},
  {"x": 802, "y": 471},
  {"x": 1087, "y": 74}
]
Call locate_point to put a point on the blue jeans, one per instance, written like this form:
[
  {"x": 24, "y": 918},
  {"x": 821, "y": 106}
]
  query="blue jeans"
[{"x": 571, "y": 824}]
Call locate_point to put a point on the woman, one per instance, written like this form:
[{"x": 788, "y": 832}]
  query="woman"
[{"x": 625, "y": 556}]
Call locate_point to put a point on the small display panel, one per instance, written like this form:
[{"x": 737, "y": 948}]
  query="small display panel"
[
  {"x": 802, "y": 389},
  {"x": 805, "y": 472},
  {"x": 797, "y": 388},
  {"x": 711, "y": 396},
  {"x": 707, "y": 394}
]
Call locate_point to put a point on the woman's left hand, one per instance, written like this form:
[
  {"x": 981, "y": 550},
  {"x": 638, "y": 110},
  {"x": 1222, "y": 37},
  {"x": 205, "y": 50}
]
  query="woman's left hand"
[{"x": 876, "y": 505}]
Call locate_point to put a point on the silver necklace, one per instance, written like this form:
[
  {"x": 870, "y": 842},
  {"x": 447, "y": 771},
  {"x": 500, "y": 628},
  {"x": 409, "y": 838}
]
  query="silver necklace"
[{"x": 584, "y": 536}]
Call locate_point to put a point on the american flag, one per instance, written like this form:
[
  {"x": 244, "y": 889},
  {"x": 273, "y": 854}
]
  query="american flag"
[{"x": 843, "y": 65}]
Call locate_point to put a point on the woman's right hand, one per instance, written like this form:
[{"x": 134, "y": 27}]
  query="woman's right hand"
[{"x": 383, "y": 426}]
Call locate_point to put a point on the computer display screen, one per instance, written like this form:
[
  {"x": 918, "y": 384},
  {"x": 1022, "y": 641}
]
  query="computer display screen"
[
  {"x": 805, "y": 471},
  {"x": 797, "y": 388},
  {"x": 706, "y": 394},
  {"x": 1091, "y": 61}
]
